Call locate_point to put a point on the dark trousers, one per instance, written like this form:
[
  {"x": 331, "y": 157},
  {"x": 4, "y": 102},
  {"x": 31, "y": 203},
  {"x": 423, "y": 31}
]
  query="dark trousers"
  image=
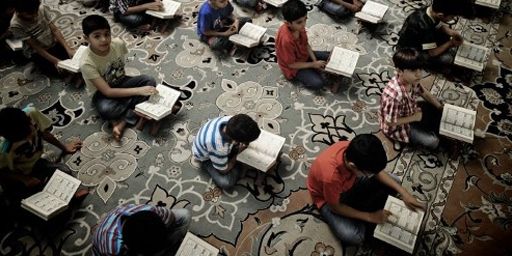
[{"x": 47, "y": 67}]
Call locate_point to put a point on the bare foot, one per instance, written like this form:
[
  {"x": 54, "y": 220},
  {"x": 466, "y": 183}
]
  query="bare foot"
[
  {"x": 81, "y": 193},
  {"x": 118, "y": 129}
]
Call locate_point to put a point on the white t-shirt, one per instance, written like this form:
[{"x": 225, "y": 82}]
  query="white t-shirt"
[
  {"x": 109, "y": 67},
  {"x": 38, "y": 29}
]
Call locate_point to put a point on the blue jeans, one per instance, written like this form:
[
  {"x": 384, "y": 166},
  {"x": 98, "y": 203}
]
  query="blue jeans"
[
  {"x": 338, "y": 11},
  {"x": 310, "y": 77},
  {"x": 224, "y": 181},
  {"x": 426, "y": 132},
  {"x": 368, "y": 195},
  {"x": 122, "y": 108}
]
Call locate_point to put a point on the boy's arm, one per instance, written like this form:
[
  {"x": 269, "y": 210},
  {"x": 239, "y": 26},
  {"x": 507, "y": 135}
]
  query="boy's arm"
[
  {"x": 455, "y": 40},
  {"x": 60, "y": 39},
  {"x": 355, "y": 7},
  {"x": 409, "y": 200},
  {"x": 430, "y": 98},
  {"x": 110, "y": 92},
  {"x": 153, "y": 6},
  {"x": 318, "y": 64},
  {"x": 34, "y": 44},
  {"x": 66, "y": 148}
]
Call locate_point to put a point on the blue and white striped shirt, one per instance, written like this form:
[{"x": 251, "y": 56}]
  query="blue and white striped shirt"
[
  {"x": 210, "y": 145},
  {"x": 108, "y": 239}
]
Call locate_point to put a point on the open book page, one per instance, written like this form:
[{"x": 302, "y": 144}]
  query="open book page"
[
  {"x": 56, "y": 195},
  {"x": 252, "y": 31},
  {"x": 374, "y": 9},
  {"x": 192, "y": 245},
  {"x": 14, "y": 44},
  {"x": 159, "y": 105},
  {"x": 169, "y": 11},
  {"x": 276, "y": 3},
  {"x": 471, "y": 56},
  {"x": 342, "y": 61},
  {"x": 495, "y": 4},
  {"x": 458, "y": 123},
  {"x": 73, "y": 64},
  {"x": 262, "y": 152},
  {"x": 402, "y": 228}
]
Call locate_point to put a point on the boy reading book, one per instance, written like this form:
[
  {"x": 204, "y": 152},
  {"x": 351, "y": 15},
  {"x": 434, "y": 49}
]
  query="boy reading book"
[
  {"x": 22, "y": 170},
  {"x": 102, "y": 67},
  {"x": 350, "y": 190},
  {"x": 140, "y": 230},
  {"x": 340, "y": 9},
  {"x": 426, "y": 31},
  {"x": 294, "y": 54},
  {"x": 401, "y": 118},
  {"x": 217, "y": 144},
  {"x": 216, "y": 22},
  {"x": 33, "y": 23}
]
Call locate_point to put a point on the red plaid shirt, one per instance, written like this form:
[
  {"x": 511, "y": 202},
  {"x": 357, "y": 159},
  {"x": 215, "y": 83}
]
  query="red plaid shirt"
[{"x": 397, "y": 102}]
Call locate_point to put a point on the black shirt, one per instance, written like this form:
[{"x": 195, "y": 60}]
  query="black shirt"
[{"x": 421, "y": 32}]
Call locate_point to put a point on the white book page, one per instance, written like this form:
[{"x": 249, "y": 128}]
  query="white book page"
[
  {"x": 170, "y": 9},
  {"x": 192, "y": 245},
  {"x": 243, "y": 40},
  {"x": 74, "y": 63},
  {"x": 458, "y": 121},
  {"x": 343, "y": 61},
  {"x": 276, "y": 3},
  {"x": 374, "y": 9},
  {"x": 262, "y": 152},
  {"x": 159, "y": 105},
  {"x": 44, "y": 203},
  {"x": 14, "y": 44},
  {"x": 62, "y": 186},
  {"x": 252, "y": 31}
]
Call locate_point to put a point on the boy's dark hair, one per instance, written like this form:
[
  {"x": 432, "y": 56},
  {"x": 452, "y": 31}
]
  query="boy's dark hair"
[
  {"x": 94, "y": 22},
  {"x": 16, "y": 125},
  {"x": 450, "y": 7},
  {"x": 367, "y": 153},
  {"x": 408, "y": 58},
  {"x": 242, "y": 128},
  {"x": 144, "y": 233},
  {"x": 294, "y": 10},
  {"x": 27, "y": 6}
]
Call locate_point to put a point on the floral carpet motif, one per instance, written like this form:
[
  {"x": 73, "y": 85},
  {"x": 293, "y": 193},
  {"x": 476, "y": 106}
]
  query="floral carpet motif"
[{"x": 266, "y": 214}]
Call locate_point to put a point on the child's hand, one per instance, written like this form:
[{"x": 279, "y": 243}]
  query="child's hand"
[
  {"x": 72, "y": 147},
  {"x": 71, "y": 52},
  {"x": 31, "y": 182},
  {"x": 154, "y": 6},
  {"x": 379, "y": 216},
  {"x": 319, "y": 64},
  {"x": 417, "y": 116},
  {"x": 457, "y": 40},
  {"x": 147, "y": 90}
]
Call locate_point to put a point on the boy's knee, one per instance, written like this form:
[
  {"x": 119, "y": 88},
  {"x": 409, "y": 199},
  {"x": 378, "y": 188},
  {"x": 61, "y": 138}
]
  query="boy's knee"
[
  {"x": 225, "y": 184},
  {"x": 148, "y": 80},
  {"x": 315, "y": 83}
]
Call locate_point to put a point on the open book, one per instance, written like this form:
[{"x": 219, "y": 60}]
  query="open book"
[
  {"x": 249, "y": 35},
  {"x": 262, "y": 153},
  {"x": 159, "y": 105},
  {"x": 402, "y": 227},
  {"x": 55, "y": 196},
  {"x": 73, "y": 65},
  {"x": 495, "y": 4},
  {"x": 170, "y": 10},
  {"x": 342, "y": 61},
  {"x": 192, "y": 245},
  {"x": 458, "y": 123},
  {"x": 276, "y": 3},
  {"x": 471, "y": 56},
  {"x": 372, "y": 12},
  {"x": 14, "y": 44}
]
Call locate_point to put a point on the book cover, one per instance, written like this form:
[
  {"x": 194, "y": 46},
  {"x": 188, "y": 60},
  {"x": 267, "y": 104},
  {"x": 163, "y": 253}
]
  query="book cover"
[
  {"x": 54, "y": 198},
  {"x": 471, "y": 56},
  {"x": 170, "y": 10},
  {"x": 342, "y": 61},
  {"x": 262, "y": 153},
  {"x": 192, "y": 245},
  {"x": 458, "y": 123},
  {"x": 249, "y": 35},
  {"x": 159, "y": 105},
  {"x": 402, "y": 227}
]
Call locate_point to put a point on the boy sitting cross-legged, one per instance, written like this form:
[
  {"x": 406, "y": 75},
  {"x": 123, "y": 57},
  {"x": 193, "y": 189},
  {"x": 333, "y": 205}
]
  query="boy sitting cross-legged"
[
  {"x": 294, "y": 54},
  {"x": 216, "y": 22},
  {"x": 115, "y": 94}
]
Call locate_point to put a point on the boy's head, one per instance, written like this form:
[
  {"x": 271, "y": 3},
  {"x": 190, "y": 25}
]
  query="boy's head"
[
  {"x": 447, "y": 10},
  {"x": 366, "y": 154},
  {"x": 219, "y": 4},
  {"x": 242, "y": 128},
  {"x": 295, "y": 14},
  {"x": 97, "y": 32},
  {"x": 27, "y": 9},
  {"x": 16, "y": 125},
  {"x": 144, "y": 233},
  {"x": 409, "y": 64}
]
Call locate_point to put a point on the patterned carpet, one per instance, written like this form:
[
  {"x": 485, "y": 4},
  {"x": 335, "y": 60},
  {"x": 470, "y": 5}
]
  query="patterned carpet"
[{"x": 469, "y": 197}]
